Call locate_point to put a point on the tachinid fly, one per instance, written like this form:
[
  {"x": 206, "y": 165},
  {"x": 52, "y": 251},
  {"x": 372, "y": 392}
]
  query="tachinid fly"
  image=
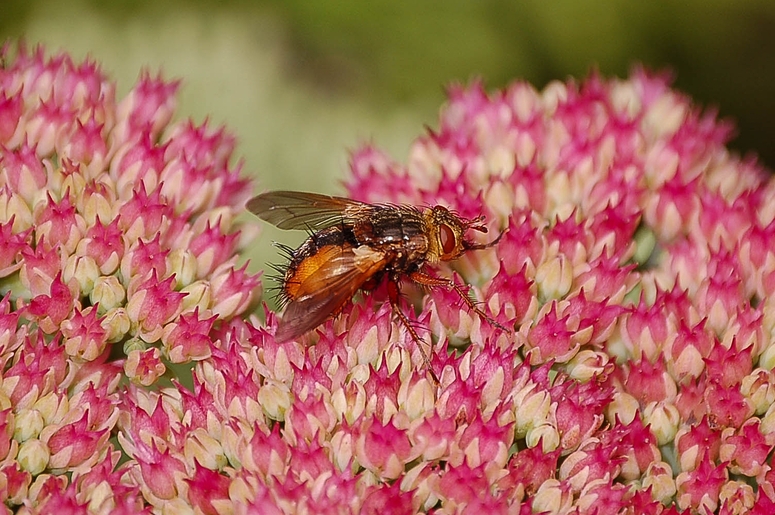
[{"x": 355, "y": 246}]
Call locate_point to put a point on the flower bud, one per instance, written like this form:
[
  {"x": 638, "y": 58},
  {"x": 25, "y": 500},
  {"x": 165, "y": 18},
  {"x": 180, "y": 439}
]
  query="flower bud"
[
  {"x": 624, "y": 407},
  {"x": 554, "y": 278},
  {"x": 553, "y": 497},
  {"x": 546, "y": 434},
  {"x": 659, "y": 476},
  {"x": 275, "y": 399},
  {"x": 198, "y": 296},
  {"x": 83, "y": 270},
  {"x": 144, "y": 367},
  {"x": 117, "y": 324},
  {"x": 663, "y": 419},
  {"x": 182, "y": 263},
  {"x": 108, "y": 293},
  {"x": 33, "y": 456},
  {"x": 205, "y": 449},
  {"x": 29, "y": 424},
  {"x": 532, "y": 408}
]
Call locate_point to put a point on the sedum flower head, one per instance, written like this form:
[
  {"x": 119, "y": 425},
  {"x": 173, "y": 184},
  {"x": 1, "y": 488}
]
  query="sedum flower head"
[
  {"x": 119, "y": 254},
  {"x": 636, "y": 276},
  {"x": 635, "y": 272}
]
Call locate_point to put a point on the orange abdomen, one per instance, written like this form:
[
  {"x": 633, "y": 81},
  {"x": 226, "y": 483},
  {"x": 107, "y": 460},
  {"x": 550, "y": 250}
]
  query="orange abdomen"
[{"x": 302, "y": 277}]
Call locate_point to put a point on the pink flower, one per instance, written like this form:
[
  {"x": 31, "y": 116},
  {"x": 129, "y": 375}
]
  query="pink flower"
[
  {"x": 269, "y": 454},
  {"x": 603, "y": 497},
  {"x": 746, "y": 449},
  {"x": 484, "y": 443},
  {"x": 552, "y": 339},
  {"x": 382, "y": 498},
  {"x": 102, "y": 486},
  {"x": 188, "y": 339},
  {"x": 52, "y": 309},
  {"x": 578, "y": 410},
  {"x": 529, "y": 468},
  {"x": 144, "y": 366},
  {"x": 104, "y": 244},
  {"x": 591, "y": 463},
  {"x": 11, "y": 246},
  {"x": 699, "y": 489},
  {"x": 232, "y": 290},
  {"x": 433, "y": 436},
  {"x": 207, "y": 488},
  {"x": 383, "y": 449},
  {"x": 636, "y": 444},
  {"x": 648, "y": 382},
  {"x": 84, "y": 335},
  {"x": 17, "y": 482},
  {"x": 463, "y": 484},
  {"x": 72, "y": 444},
  {"x": 161, "y": 472},
  {"x": 630, "y": 237}
]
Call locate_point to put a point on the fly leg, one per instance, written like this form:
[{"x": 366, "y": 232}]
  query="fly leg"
[
  {"x": 435, "y": 282},
  {"x": 394, "y": 295}
]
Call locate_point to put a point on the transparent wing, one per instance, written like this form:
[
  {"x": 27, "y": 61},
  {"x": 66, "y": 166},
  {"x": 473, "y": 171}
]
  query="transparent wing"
[
  {"x": 301, "y": 210},
  {"x": 342, "y": 272}
]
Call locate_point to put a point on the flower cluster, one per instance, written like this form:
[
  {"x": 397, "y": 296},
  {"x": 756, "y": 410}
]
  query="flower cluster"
[
  {"x": 118, "y": 256},
  {"x": 636, "y": 269}
]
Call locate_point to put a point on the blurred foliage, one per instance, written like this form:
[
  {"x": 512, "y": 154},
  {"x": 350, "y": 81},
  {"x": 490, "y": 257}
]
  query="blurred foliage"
[
  {"x": 398, "y": 52},
  {"x": 301, "y": 82},
  {"x": 720, "y": 50}
]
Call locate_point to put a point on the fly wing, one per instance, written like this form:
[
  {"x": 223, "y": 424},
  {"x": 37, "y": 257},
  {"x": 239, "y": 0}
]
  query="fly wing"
[
  {"x": 301, "y": 210},
  {"x": 342, "y": 272}
]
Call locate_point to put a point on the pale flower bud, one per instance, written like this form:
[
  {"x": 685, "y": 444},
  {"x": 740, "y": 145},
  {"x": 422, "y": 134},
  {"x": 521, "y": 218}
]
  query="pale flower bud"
[
  {"x": 198, "y": 295},
  {"x": 659, "y": 476},
  {"x": 623, "y": 407},
  {"x": 546, "y": 434},
  {"x": 663, "y": 419},
  {"x": 532, "y": 408},
  {"x": 33, "y": 456},
  {"x": 758, "y": 387},
  {"x": 554, "y": 278},
  {"x": 587, "y": 364},
  {"x": 29, "y": 424},
  {"x": 83, "y": 270},
  {"x": 116, "y": 322},
  {"x": 108, "y": 293},
  {"x": 275, "y": 399},
  {"x": 182, "y": 263},
  {"x": 552, "y": 497}
]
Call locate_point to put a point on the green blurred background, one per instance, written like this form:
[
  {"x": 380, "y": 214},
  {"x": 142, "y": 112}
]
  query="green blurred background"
[{"x": 302, "y": 82}]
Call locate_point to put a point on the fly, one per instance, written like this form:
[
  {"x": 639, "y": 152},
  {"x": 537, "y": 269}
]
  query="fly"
[{"x": 355, "y": 246}]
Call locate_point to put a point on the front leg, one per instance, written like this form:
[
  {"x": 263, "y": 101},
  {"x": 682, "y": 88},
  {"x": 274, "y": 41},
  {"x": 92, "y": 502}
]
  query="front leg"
[
  {"x": 436, "y": 282},
  {"x": 394, "y": 295}
]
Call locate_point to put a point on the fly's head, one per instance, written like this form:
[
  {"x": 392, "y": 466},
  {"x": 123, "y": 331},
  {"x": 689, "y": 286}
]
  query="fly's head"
[{"x": 446, "y": 232}]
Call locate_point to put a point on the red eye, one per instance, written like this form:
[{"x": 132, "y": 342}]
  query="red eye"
[{"x": 447, "y": 237}]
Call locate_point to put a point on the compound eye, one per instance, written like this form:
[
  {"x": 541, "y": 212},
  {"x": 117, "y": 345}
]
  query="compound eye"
[{"x": 447, "y": 237}]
